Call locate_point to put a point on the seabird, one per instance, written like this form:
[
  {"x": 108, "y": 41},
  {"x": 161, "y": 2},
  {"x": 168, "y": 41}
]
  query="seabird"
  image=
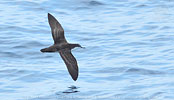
[{"x": 62, "y": 46}]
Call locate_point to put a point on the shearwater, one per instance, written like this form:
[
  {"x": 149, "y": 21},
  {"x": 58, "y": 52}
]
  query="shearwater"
[{"x": 62, "y": 46}]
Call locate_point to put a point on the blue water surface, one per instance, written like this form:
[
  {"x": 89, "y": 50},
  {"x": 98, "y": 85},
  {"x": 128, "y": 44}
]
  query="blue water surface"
[{"x": 129, "y": 52}]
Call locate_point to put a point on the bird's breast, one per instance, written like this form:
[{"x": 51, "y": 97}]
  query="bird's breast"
[{"x": 62, "y": 46}]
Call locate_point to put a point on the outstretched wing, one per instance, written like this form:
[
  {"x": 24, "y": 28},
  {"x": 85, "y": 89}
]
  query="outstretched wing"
[
  {"x": 56, "y": 29},
  {"x": 70, "y": 62}
]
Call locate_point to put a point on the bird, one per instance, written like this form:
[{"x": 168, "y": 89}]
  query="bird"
[{"x": 62, "y": 46}]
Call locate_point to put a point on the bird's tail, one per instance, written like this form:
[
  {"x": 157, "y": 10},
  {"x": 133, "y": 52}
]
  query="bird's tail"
[{"x": 49, "y": 49}]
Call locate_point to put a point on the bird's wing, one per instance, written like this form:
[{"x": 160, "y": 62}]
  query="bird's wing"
[
  {"x": 56, "y": 29},
  {"x": 70, "y": 62}
]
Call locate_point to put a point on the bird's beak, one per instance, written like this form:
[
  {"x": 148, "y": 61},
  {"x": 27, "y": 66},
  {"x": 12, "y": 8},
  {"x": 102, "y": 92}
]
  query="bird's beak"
[{"x": 83, "y": 47}]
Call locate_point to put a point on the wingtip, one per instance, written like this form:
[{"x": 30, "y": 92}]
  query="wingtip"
[
  {"x": 75, "y": 79},
  {"x": 49, "y": 14}
]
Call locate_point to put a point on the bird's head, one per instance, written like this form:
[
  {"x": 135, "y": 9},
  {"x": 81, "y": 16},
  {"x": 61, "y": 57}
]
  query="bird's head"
[{"x": 76, "y": 45}]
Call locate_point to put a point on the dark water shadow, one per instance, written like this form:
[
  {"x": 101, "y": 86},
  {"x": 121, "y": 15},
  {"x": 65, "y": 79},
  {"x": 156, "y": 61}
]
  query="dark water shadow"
[
  {"x": 71, "y": 89},
  {"x": 67, "y": 94}
]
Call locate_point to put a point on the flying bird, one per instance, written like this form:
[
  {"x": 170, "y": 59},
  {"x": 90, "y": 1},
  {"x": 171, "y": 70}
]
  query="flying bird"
[{"x": 62, "y": 46}]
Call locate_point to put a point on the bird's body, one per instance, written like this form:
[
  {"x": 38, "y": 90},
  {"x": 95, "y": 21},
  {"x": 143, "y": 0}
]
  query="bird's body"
[
  {"x": 57, "y": 47},
  {"x": 62, "y": 46}
]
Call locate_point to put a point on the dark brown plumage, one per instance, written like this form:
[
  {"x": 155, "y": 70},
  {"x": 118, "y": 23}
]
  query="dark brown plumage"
[{"x": 62, "y": 46}]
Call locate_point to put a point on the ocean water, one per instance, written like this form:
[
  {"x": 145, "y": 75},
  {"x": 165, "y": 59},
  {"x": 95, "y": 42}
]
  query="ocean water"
[{"x": 128, "y": 55}]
